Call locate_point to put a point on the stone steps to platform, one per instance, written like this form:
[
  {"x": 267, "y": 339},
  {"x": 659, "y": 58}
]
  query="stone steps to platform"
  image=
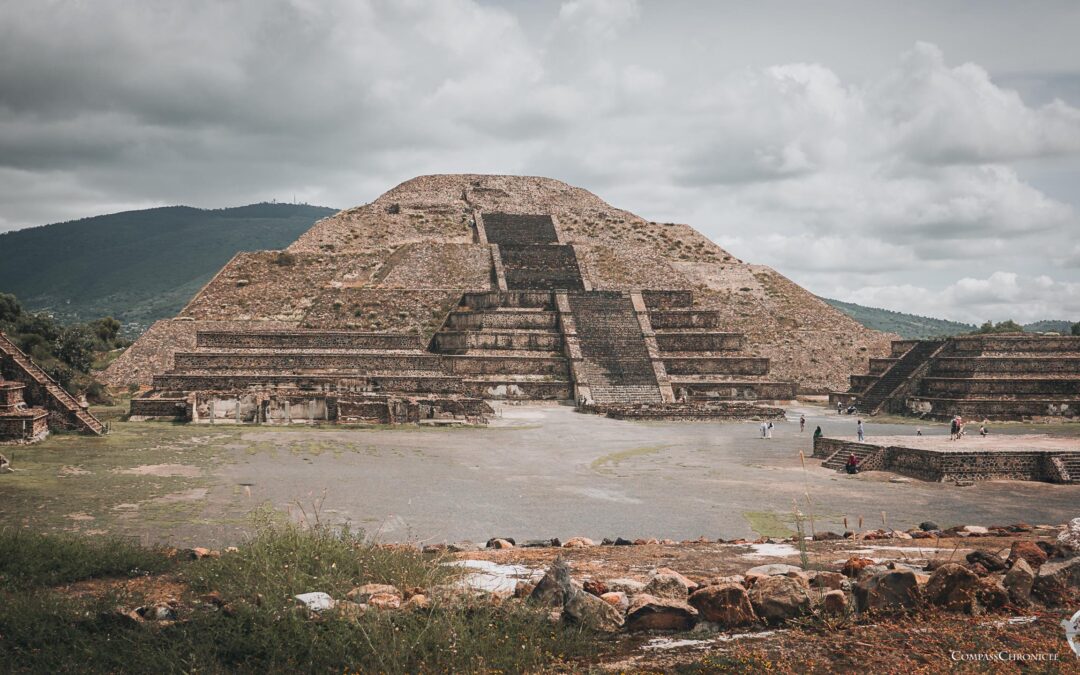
[
  {"x": 536, "y": 267},
  {"x": 865, "y": 455},
  {"x": 879, "y": 393},
  {"x": 56, "y": 397}
]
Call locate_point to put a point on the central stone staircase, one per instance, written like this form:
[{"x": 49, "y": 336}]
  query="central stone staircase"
[{"x": 615, "y": 358}]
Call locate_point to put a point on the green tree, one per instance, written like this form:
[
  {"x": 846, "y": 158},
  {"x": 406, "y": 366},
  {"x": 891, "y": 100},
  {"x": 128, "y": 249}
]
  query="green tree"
[
  {"x": 76, "y": 348},
  {"x": 1007, "y": 326},
  {"x": 10, "y": 309},
  {"x": 1076, "y": 328},
  {"x": 106, "y": 330}
]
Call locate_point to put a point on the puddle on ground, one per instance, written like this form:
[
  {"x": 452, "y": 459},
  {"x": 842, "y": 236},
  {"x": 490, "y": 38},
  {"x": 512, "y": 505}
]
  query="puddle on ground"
[
  {"x": 485, "y": 575},
  {"x": 771, "y": 551},
  {"x": 670, "y": 643}
]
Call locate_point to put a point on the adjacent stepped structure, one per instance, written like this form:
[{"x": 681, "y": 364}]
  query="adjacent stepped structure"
[
  {"x": 452, "y": 289},
  {"x": 31, "y": 401},
  {"x": 997, "y": 377}
]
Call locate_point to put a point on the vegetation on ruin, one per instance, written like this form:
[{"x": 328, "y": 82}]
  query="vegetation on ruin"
[
  {"x": 138, "y": 266},
  {"x": 251, "y": 622},
  {"x": 67, "y": 353},
  {"x": 991, "y": 328}
]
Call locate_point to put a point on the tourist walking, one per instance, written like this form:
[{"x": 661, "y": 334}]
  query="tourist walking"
[
  {"x": 802, "y": 423},
  {"x": 764, "y": 429},
  {"x": 768, "y": 431},
  {"x": 918, "y": 431},
  {"x": 859, "y": 431}
]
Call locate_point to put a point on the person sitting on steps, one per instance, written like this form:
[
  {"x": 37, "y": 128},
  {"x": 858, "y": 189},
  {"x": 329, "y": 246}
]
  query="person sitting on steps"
[{"x": 852, "y": 465}]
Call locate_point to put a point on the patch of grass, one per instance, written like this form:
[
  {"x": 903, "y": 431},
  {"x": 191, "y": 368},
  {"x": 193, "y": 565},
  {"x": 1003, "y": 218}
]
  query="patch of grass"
[
  {"x": 616, "y": 457},
  {"x": 29, "y": 559},
  {"x": 264, "y": 630},
  {"x": 769, "y": 524},
  {"x": 282, "y": 559}
]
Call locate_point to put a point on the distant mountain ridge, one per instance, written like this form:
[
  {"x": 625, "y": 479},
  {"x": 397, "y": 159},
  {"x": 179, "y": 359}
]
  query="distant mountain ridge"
[
  {"x": 912, "y": 326},
  {"x": 139, "y": 266}
]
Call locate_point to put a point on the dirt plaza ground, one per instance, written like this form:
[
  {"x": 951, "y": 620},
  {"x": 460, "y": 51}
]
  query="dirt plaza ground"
[{"x": 535, "y": 472}]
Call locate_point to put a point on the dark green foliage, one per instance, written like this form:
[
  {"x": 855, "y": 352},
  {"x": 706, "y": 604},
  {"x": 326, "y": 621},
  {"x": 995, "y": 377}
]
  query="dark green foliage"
[
  {"x": 1075, "y": 328},
  {"x": 138, "y": 266},
  {"x": 1007, "y": 326},
  {"x": 30, "y": 560}
]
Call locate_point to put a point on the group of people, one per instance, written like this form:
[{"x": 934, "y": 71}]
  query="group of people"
[{"x": 958, "y": 428}]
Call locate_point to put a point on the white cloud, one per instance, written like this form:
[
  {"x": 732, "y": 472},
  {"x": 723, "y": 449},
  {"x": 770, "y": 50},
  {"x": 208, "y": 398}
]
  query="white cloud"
[
  {"x": 1002, "y": 295},
  {"x": 598, "y": 19}
]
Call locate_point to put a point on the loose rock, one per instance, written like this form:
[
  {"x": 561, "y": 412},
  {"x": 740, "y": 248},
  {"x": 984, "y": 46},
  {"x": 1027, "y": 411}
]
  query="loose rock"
[
  {"x": 647, "y": 612},
  {"x": 888, "y": 591},
  {"x": 725, "y": 604},
  {"x": 991, "y": 562},
  {"x": 1027, "y": 551},
  {"x": 835, "y": 603},
  {"x": 617, "y": 599},
  {"x": 1069, "y": 538},
  {"x": 779, "y": 598},
  {"x": 363, "y": 594},
  {"x": 1018, "y": 581},
  {"x": 578, "y": 542},
  {"x": 1055, "y": 578},
  {"x": 953, "y": 587}
]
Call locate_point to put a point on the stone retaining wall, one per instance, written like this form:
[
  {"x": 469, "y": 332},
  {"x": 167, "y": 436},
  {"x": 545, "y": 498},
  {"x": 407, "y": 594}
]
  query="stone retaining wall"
[
  {"x": 937, "y": 466},
  {"x": 699, "y": 342},
  {"x": 735, "y": 365},
  {"x": 956, "y": 366},
  {"x": 304, "y": 340},
  {"x": 167, "y": 408}
]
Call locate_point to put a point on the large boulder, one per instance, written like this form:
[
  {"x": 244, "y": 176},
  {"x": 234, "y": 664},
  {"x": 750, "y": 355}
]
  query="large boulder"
[
  {"x": 648, "y": 612},
  {"x": 673, "y": 586},
  {"x": 779, "y": 598},
  {"x": 888, "y": 591},
  {"x": 1069, "y": 538},
  {"x": 1018, "y": 581},
  {"x": 1056, "y": 580},
  {"x": 725, "y": 604},
  {"x": 585, "y": 609},
  {"x": 953, "y": 587},
  {"x": 550, "y": 590},
  {"x": 1028, "y": 551}
]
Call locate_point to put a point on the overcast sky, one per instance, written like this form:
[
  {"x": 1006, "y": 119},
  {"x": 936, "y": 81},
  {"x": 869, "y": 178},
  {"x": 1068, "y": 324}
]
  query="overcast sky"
[{"x": 918, "y": 156}]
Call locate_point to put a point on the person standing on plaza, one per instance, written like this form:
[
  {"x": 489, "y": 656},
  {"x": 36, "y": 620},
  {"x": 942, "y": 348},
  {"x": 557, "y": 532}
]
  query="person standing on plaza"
[
  {"x": 860, "y": 432},
  {"x": 802, "y": 423}
]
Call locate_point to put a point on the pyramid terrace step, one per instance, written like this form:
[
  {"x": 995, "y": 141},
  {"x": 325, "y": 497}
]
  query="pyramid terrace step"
[
  {"x": 732, "y": 365},
  {"x": 253, "y": 360},
  {"x": 702, "y": 341},
  {"x": 502, "y": 319},
  {"x": 946, "y": 366},
  {"x": 724, "y": 389},
  {"x": 666, "y": 300},
  {"x": 521, "y": 340},
  {"x": 1044, "y": 387},
  {"x": 994, "y": 408},
  {"x": 880, "y": 365},
  {"x": 308, "y": 339},
  {"x": 509, "y": 299},
  {"x": 497, "y": 364},
  {"x": 511, "y": 387},
  {"x": 429, "y": 382},
  {"x": 684, "y": 318}
]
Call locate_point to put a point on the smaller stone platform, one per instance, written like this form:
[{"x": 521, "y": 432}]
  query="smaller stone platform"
[
  {"x": 1033, "y": 457},
  {"x": 691, "y": 412}
]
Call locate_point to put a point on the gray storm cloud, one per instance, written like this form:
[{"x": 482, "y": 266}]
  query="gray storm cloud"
[{"x": 871, "y": 154}]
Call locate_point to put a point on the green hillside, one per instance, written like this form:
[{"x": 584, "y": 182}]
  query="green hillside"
[
  {"x": 911, "y": 326},
  {"x": 905, "y": 325},
  {"x": 138, "y": 266}
]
